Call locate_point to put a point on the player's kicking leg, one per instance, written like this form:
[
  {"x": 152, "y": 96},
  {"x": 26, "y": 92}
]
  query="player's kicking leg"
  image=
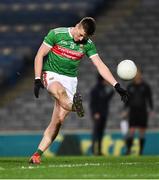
[
  {"x": 58, "y": 116},
  {"x": 59, "y": 93}
]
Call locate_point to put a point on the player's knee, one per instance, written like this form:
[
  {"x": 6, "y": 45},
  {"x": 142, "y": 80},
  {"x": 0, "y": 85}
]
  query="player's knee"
[{"x": 61, "y": 93}]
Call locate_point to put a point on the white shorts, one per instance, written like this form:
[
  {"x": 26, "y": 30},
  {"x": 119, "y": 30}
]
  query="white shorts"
[{"x": 69, "y": 83}]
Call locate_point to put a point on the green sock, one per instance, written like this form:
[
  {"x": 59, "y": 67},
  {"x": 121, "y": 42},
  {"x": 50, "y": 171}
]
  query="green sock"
[{"x": 39, "y": 152}]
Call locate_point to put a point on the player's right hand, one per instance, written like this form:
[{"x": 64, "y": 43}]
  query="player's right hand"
[{"x": 37, "y": 85}]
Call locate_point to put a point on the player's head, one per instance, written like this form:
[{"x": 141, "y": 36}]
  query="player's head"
[
  {"x": 89, "y": 26},
  {"x": 84, "y": 29}
]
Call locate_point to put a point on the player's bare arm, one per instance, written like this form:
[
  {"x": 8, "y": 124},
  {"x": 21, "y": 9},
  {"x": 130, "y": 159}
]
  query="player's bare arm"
[
  {"x": 107, "y": 75},
  {"x": 38, "y": 64},
  {"x": 103, "y": 70},
  {"x": 43, "y": 51}
]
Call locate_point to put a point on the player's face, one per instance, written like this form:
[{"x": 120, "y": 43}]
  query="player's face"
[{"x": 79, "y": 34}]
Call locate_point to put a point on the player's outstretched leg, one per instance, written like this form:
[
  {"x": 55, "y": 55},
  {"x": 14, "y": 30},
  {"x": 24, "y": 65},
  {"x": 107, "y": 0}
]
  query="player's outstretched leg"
[{"x": 77, "y": 104}]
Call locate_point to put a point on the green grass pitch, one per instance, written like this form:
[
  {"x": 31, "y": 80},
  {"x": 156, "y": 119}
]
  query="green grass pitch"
[{"x": 82, "y": 167}]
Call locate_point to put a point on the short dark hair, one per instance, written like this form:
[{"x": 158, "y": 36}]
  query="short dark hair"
[{"x": 89, "y": 25}]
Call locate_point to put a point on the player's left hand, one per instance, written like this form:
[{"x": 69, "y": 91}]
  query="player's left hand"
[
  {"x": 37, "y": 85},
  {"x": 122, "y": 92}
]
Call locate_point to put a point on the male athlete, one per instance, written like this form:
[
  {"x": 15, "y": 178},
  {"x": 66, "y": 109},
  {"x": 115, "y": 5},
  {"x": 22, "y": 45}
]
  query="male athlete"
[{"x": 56, "y": 69}]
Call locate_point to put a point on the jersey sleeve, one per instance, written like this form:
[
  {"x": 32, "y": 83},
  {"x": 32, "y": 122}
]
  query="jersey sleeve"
[
  {"x": 90, "y": 49},
  {"x": 50, "y": 38}
]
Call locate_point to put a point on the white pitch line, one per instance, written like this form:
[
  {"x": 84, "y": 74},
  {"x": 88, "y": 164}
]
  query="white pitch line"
[
  {"x": 77, "y": 165},
  {"x": 56, "y": 166},
  {"x": 114, "y": 176}
]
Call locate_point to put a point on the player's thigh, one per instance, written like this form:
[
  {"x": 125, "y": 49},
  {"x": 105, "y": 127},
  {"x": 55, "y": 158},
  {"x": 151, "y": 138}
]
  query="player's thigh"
[{"x": 56, "y": 89}]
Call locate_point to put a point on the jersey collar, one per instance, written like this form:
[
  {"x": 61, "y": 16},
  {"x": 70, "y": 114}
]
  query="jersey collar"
[{"x": 69, "y": 31}]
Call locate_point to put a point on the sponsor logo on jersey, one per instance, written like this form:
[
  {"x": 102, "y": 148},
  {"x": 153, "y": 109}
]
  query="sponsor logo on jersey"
[{"x": 67, "y": 53}]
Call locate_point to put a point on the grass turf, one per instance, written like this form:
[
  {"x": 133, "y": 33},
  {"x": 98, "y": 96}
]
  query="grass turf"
[{"x": 73, "y": 167}]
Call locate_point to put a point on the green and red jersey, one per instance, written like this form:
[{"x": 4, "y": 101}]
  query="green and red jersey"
[{"x": 65, "y": 54}]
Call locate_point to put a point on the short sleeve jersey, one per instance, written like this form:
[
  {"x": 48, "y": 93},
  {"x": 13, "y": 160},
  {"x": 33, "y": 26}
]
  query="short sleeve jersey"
[{"x": 65, "y": 54}]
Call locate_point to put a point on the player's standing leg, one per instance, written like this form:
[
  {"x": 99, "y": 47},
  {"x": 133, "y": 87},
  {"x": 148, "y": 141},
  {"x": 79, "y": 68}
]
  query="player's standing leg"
[{"x": 58, "y": 116}]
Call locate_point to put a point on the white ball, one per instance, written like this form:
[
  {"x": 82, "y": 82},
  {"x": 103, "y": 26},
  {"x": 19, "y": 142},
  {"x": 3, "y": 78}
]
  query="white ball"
[{"x": 126, "y": 69}]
